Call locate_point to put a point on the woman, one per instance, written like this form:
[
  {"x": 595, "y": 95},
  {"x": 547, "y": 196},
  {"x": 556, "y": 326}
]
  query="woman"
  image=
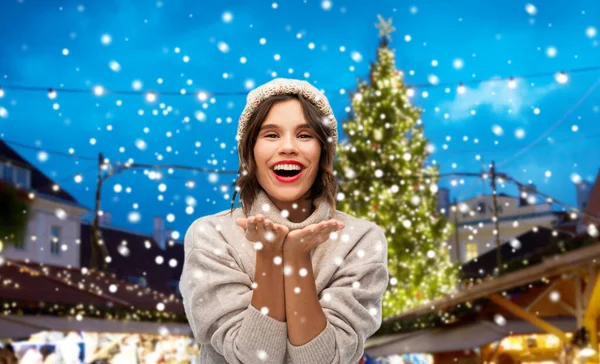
[{"x": 286, "y": 277}]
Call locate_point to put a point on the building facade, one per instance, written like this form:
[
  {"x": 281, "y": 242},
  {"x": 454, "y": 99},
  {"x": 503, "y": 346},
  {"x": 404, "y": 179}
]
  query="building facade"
[
  {"x": 53, "y": 229},
  {"x": 57, "y": 234},
  {"x": 475, "y": 229}
]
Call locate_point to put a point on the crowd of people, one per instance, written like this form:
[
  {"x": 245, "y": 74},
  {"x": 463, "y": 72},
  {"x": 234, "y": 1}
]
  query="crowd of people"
[{"x": 102, "y": 349}]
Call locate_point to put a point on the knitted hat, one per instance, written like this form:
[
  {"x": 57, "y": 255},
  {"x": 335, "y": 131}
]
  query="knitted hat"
[{"x": 285, "y": 86}]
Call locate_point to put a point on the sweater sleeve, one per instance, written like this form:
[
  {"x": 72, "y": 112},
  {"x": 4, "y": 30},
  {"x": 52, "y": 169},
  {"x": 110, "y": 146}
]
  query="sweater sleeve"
[
  {"x": 217, "y": 298},
  {"x": 352, "y": 303}
]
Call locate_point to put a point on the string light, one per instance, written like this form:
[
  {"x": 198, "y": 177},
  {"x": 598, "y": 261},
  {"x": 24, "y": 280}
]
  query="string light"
[
  {"x": 151, "y": 97},
  {"x": 98, "y": 90},
  {"x": 202, "y": 96},
  {"x": 97, "y": 281},
  {"x": 561, "y": 77},
  {"x": 512, "y": 83},
  {"x": 51, "y": 94}
]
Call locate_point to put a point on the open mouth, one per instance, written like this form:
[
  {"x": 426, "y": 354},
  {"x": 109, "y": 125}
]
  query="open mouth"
[{"x": 286, "y": 173}]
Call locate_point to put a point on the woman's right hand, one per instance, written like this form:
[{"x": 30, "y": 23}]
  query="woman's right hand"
[{"x": 267, "y": 236}]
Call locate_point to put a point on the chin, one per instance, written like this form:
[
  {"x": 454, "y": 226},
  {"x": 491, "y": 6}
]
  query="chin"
[{"x": 283, "y": 192}]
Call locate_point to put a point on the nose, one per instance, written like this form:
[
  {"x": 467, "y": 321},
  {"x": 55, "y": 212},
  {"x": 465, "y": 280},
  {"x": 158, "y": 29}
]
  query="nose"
[{"x": 288, "y": 144}]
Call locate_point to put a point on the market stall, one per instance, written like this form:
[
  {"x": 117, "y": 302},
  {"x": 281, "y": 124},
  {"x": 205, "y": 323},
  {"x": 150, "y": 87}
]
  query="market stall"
[
  {"x": 559, "y": 297},
  {"x": 88, "y": 315}
]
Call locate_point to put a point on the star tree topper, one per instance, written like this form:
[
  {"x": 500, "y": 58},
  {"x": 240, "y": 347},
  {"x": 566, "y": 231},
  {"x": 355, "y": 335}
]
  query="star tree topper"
[{"x": 385, "y": 27}]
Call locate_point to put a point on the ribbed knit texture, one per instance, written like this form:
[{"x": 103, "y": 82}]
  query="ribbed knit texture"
[
  {"x": 263, "y": 205},
  {"x": 216, "y": 285}
]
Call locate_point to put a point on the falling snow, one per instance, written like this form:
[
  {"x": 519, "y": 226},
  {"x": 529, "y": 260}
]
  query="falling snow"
[{"x": 159, "y": 96}]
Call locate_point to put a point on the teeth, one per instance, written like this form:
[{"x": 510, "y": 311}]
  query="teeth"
[{"x": 288, "y": 167}]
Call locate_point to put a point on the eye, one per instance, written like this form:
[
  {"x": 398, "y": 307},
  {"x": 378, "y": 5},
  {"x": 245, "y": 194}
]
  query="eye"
[
  {"x": 305, "y": 136},
  {"x": 269, "y": 135}
]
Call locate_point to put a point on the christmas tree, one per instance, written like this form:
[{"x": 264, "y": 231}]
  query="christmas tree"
[{"x": 383, "y": 178}]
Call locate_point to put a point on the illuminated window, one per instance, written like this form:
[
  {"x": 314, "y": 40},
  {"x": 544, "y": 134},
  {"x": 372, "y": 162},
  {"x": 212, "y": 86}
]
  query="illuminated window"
[
  {"x": 55, "y": 240},
  {"x": 471, "y": 251}
]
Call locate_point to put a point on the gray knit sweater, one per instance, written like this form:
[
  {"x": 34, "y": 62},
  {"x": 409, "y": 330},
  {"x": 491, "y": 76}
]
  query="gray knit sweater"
[{"x": 350, "y": 274}]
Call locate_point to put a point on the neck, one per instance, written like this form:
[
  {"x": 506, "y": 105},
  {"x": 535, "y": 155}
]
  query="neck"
[{"x": 303, "y": 208}]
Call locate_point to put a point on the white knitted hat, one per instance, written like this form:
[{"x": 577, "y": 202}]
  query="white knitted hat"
[{"x": 285, "y": 86}]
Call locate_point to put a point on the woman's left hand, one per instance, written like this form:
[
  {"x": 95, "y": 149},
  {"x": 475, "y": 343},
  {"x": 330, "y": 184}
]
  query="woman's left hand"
[{"x": 303, "y": 241}]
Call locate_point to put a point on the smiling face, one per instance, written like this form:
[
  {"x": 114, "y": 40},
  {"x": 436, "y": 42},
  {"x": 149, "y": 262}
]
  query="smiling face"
[
  {"x": 259, "y": 151},
  {"x": 285, "y": 136}
]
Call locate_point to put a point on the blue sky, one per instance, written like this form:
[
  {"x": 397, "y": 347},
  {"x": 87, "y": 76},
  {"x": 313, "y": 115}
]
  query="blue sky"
[{"x": 60, "y": 44}]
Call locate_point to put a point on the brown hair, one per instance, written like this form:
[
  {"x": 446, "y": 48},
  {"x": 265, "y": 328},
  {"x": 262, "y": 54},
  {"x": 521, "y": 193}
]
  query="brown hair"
[{"x": 325, "y": 184}]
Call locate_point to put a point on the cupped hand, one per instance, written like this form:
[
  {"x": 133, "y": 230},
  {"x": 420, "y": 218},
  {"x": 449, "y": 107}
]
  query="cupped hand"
[
  {"x": 303, "y": 241},
  {"x": 267, "y": 235}
]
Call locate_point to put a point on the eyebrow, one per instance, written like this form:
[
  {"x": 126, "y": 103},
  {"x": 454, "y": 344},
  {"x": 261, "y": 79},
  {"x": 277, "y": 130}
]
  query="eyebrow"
[{"x": 273, "y": 126}]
